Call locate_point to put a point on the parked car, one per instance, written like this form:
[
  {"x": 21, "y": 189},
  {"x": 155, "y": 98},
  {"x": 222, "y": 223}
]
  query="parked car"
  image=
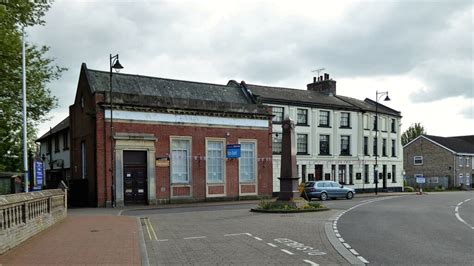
[{"x": 326, "y": 189}]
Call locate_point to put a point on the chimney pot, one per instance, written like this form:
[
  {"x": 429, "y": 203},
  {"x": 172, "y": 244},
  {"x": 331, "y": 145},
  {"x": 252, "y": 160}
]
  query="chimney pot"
[
  {"x": 326, "y": 76},
  {"x": 314, "y": 79}
]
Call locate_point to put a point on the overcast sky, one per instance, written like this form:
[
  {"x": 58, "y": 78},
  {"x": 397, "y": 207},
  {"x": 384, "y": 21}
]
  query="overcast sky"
[{"x": 419, "y": 51}]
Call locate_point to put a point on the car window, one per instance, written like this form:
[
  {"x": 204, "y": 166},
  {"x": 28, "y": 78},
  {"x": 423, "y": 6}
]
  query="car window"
[
  {"x": 309, "y": 184},
  {"x": 335, "y": 184},
  {"x": 321, "y": 184}
]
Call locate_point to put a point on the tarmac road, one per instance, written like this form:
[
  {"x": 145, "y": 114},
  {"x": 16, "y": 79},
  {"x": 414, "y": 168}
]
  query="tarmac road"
[{"x": 433, "y": 229}]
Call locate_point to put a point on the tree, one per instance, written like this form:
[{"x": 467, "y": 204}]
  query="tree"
[
  {"x": 40, "y": 70},
  {"x": 412, "y": 133}
]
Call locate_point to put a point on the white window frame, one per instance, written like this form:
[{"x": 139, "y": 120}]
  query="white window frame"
[
  {"x": 434, "y": 180},
  {"x": 255, "y": 179},
  {"x": 276, "y": 118},
  {"x": 208, "y": 160},
  {"x": 418, "y": 157},
  {"x": 461, "y": 163},
  {"x": 189, "y": 161}
]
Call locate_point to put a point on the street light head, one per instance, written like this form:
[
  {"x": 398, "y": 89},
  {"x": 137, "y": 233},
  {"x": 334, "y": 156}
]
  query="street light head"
[
  {"x": 387, "y": 98},
  {"x": 117, "y": 66}
]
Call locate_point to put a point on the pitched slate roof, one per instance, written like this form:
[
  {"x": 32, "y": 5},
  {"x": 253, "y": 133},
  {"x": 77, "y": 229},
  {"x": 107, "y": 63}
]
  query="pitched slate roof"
[
  {"x": 317, "y": 99},
  {"x": 459, "y": 144},
  {"x": 161, "y": 87},
  {"x": 169, "y": 95},
  {"x": 59, "y": 127}
]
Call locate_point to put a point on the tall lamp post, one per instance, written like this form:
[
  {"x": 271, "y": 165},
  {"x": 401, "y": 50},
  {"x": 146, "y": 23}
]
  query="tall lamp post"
[
  {"x": 114, "y": 64},
  {"x": 378, "y": 96}
]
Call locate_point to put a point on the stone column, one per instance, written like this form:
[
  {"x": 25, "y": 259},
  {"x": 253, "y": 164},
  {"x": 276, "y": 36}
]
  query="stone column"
[{"x": 288, "y": 172}]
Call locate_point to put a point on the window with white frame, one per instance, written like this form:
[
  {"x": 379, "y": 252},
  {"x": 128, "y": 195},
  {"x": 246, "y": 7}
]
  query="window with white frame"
[
  {"x": 345, "y": 145},
  {"x": 276, "y": 143},
  {"x": 215, "y": 161},
  {"x": 301, "y": 116},
  {"x": 324, "y": 118},
  {"x": 366, "y": 121},
  {"x": 324, "y": 144},
  {"x": 278, "y": 113},
  {"x": 434, "y": 180},
  {"x": 247, "y": 166},
  {"x": 461, "y": 178},
  {"x": 384, "y": 124},
  {"x": 418, "y": 160},
  {"x": 461, "y": 161},
  {"x": 345, "y": 120},
  {"x": 180, "y": 160},
  {"x": 302, "y": 143}
]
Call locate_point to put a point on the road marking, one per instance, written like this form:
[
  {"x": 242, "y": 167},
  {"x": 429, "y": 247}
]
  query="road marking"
[
  {"x": 362, "y": 259},
  {"x": 354, "y": 252},
  {"x": 287, "y": 252},
  {"x": 272, "y": 245},
  {"x": 338, "y": 235},
  {"x": 194, "y": 237},
  {"x": 149, "y": 228},
  {"x": 341, "y": 239},
  {"x": 311, "y": 263},
  {"x": 346, "y": 245},
  {"x": 456, "y": 213},
  {"x": 238, "y": 234},
  {"x": 258, "y": 238},
  {"x": 162, "y": 240}
]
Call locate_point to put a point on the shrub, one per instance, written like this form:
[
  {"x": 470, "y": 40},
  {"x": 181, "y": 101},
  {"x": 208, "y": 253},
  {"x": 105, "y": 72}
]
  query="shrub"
[{"x": 409, "y": 189}]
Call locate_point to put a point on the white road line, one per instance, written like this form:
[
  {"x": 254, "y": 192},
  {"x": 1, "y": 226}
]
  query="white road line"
[
  {"x": 272, "y": 245},
  {"x": 456, "y": 213},
  {"x": 311, "y": 263},
  {"x": 162, "y": 240},
  {"x": 258, "y": 238},
  {"x": 341, "y": 239},
  {"x": 338, "y": 235},
  {"x": 195, "y": 237},
  {"x": 362, "y": 259},
  {"x": 287, "y": 252},
  {"x": 249, "y": 234},
  {"x": 346, "y": 245},
  {"x": 238, "y": 234},
  {"x": 354, "y": 252}
]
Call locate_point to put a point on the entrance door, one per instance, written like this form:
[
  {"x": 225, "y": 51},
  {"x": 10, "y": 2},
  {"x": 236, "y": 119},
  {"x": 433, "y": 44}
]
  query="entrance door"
[
  {"x": 318, "y": 172},
  {"x": 384, "y": 172},
  {"x": 134, "y": 177}
]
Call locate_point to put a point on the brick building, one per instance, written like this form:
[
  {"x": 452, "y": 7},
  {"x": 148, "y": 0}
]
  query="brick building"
[
  {"x": 436, "y": 157},
  {"x": 169, "y": 140}
]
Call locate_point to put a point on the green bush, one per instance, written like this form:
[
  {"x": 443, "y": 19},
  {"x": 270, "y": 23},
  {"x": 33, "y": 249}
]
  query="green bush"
[
  {"x": 279, "y": 205},
  {"x": 408, "y": 189},
  {"x": 439, "y": 188}
]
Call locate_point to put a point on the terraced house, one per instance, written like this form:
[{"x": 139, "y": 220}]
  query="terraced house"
[{"x": 338, "y": 137}]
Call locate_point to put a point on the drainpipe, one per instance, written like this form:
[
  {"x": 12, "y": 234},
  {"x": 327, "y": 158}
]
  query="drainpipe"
[{"x": 105, "y": 160}]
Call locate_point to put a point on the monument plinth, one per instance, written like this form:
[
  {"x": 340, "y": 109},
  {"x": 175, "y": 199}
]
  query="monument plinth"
[{"x": 288, "y": 172}]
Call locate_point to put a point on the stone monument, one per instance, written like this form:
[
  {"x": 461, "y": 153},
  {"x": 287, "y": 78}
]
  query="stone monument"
[{"x": 288, "y": 172}]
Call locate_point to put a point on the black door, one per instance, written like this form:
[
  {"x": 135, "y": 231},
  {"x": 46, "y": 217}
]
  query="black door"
[
  {"x": 318, "y": 172},
  {"x": 134, "y": 177},
  {"x": 384, "y": 172}
]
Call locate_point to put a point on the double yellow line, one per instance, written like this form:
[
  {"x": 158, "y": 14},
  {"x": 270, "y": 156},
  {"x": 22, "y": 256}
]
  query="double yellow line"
[{"x": 149, "y": 228}]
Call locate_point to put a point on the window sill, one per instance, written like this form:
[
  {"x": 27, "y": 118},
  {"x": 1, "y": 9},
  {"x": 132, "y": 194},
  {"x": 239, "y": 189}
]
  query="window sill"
[
  {"x": 345, "y": 154},
  {"x": 65, "y": 149}
]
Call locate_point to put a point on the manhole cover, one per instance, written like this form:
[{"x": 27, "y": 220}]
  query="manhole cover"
[{"x": 94, "y": 231}]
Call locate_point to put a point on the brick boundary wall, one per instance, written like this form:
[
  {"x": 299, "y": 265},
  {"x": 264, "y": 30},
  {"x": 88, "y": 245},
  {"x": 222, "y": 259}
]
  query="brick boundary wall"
[{"x": 24, "y": 215}]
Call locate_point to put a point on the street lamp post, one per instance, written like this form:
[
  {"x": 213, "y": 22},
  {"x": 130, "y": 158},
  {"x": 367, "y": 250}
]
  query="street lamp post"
[
  {"x": 378, "y": 95},
  {"x": 114, "y": 64}
]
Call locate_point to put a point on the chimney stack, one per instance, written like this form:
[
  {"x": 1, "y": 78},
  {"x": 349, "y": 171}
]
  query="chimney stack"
[{"x": 323, "y": 85}]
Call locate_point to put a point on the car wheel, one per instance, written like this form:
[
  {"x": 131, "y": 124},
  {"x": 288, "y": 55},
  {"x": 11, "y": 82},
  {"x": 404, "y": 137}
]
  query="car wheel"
[
  {"x": 349, "y": 195},
  {"x": 323, "y": 196}
]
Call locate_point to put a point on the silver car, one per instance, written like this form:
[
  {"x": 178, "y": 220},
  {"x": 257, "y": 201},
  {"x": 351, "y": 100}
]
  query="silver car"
[{"x": 326, "y": 189}]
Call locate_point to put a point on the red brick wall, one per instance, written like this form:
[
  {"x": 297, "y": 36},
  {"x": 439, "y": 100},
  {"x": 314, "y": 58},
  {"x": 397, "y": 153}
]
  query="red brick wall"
[{"x": 198, "y": 172}]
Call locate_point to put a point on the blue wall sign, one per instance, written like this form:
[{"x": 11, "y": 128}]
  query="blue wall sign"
[
  {"x": 233, "y": 151},
  {"x": 39, "y": 174}
]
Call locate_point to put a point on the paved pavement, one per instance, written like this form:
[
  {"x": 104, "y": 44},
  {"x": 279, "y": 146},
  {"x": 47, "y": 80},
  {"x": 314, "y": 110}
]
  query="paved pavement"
[
  {"x": 84, "y": 237},
  {"x": 102, "y": 236}
]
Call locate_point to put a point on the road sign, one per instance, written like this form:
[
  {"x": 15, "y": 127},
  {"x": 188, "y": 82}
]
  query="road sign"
[
  {"x": 39, "y": 174},
  {"x": 420, "y": 180},
  {"x": 233, "y": 151}
]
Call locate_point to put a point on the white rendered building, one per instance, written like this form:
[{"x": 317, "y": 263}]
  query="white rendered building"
[{"x": 337, "y": 137}]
